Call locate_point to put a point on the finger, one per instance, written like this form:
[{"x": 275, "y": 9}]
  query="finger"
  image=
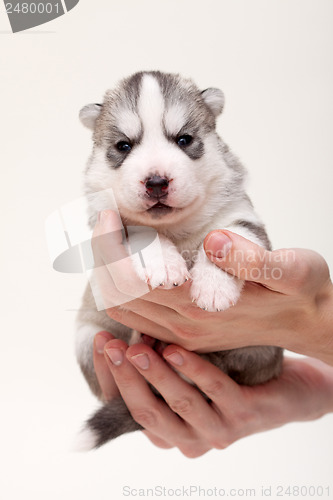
[
  {"x": 238, "y": 415},
  {"x": 105, "y": 290},
  {"x": 148, "y": 410},
  {"x": 279, "y": 270},
  {"x": 177, "y": 303},
  {"x": 107, "y": 249},
  {"x": 216, "y": 385},
  {"x": 108, "y": 232},
  {"x": 295, "y": 395},
  {"x": 182, "y": 398},
  {"x": 104, "y": 377},
  {"x": 191, "y": 450},
  {"x": 172, "y": 298},
  {"x": 142, "y": 324},
  {"x": 165, "y": 307},
  {"x": 114, "y": 273},
  {"x": 157, "y": 441}
]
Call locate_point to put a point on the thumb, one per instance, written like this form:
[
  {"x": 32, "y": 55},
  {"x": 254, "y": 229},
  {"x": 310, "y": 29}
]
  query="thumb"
[{"x": 250, "y": 262}]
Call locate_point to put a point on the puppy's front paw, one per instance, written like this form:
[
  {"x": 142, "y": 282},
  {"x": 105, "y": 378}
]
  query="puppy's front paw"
[
  {"x": 213, "y": 289},
  {"x": 165, "y": 268}
]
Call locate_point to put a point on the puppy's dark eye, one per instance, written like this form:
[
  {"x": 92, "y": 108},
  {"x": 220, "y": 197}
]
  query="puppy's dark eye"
[
  {"x": 124, "y": 146},
  {"x": 184, "y": 140}
]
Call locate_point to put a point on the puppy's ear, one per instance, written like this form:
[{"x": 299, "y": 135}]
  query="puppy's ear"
[
  {"x": 214, "y": 98},
  {"x": 89, "y": 113}
]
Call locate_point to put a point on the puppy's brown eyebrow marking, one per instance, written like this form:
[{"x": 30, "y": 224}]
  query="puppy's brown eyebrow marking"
[
  {"x": 189, "y": 127},
  {"x": 118, "y": 134}
]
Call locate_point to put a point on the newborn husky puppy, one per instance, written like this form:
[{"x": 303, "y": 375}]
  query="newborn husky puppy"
[{"x": 156, "y": 146}]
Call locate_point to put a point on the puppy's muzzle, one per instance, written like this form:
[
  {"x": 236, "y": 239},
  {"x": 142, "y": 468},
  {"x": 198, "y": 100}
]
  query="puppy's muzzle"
[{"x": 156, "y": 186}]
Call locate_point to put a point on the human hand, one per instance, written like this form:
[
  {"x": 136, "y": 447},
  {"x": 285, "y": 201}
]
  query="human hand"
[
  {"x": 287, "y": 299},
  {"x": 185, "y": 419}
]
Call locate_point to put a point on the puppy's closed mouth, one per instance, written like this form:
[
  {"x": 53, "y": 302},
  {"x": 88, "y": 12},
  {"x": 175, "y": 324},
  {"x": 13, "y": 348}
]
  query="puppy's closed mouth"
[{"x": 160, "y": 209}]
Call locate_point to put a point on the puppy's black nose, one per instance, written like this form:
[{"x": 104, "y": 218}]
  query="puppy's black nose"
[{"x": 157, "y": 186}]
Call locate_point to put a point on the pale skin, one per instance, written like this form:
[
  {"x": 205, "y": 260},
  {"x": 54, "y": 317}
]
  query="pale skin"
[{"x": 295, "y": 294}]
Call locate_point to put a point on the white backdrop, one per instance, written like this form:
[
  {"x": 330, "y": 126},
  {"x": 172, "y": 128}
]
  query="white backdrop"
[{"x": 273, "y": 59}]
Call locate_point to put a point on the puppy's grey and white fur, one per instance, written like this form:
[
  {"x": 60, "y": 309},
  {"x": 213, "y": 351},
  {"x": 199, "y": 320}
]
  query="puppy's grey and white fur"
[{"x": 160, "y": 128}]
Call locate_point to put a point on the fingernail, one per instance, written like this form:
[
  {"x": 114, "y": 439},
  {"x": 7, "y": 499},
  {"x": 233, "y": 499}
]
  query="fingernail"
[
  {"x": 218, "y": 245},
  {"x": 100, "y": 342},
  {"x": 141, "y": 361},
  {"x": 116, "y": 356},
  {"x": 175, "y": 358}
]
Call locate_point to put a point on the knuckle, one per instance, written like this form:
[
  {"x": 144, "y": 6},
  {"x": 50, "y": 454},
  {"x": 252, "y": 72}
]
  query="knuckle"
[
  {"x": 215, "y": 389},
  {"x": 184, "y": 334},
  {"x": 302, "y": 273},
  {"x": 198, "y": 374},
  {"x": 147, "y": 417},
  {"x": 182, "y": 406},
  {"x": 114, "y": 313},
  {"x": 124, "y": 381},
  {"x": 160, "y": 380},
  {"x": 180, "y": 330},
  {"x": 300, "y": 267},
  {"x": 249, "y": 417},
  {"x": 204, "y": 372},
  {"x": 191, "y": 311},
  {"x": 242, "y": 421}
]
